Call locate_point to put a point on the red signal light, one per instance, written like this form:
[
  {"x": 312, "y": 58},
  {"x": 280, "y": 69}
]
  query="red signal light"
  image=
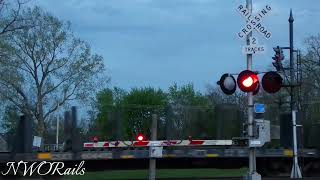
[
  {"x": 248, "y": 81},
  {"x": 140, "y": 137}
]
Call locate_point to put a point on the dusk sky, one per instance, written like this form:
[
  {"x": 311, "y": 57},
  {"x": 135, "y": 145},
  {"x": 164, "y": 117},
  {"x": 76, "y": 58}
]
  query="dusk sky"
[{"x": 159, "y": 42}]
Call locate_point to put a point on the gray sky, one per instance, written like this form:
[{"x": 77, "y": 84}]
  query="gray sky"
[{"x": 159, "y": 42}]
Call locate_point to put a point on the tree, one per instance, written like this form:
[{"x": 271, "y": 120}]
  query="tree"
[
  {"x": 311, "y": 68},
  {"x": 139, "y": 105},
  {"x": 108, "y": 106},
  {"x": 121, "y": 114},
  {"x": 10, "y": 119},
  {"x": 310, "y": 87},
  {"x": 46, "y": 67},
  {"x": 9, "y": 13},
  {"x": 216, "y": 96},
  {"x": 190, "y": 113}
]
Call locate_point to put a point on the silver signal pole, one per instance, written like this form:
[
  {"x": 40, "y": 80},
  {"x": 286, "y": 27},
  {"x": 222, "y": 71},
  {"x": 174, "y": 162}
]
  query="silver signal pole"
[
  {"x": 252, "y": 164},
  {"x": 252, "y": 175},
  {"x": 295, "y": 172}
]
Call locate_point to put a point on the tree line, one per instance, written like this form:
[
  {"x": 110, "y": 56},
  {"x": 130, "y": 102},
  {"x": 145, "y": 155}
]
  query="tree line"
[{"x": 181, "y": 110}]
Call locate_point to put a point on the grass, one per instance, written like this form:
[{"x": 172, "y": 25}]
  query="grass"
[{"x": 160, "y": 173}]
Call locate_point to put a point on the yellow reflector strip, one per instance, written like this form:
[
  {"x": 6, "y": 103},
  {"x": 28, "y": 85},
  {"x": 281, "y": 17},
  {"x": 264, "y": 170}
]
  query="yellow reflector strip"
[
  {"x": 126, "y": 156},
  {"x": 169, "y": 155},
  {"x": 212, "y": 155},
  {"x": 44, "y": 156},
  {"x": 288, "y": 152}
]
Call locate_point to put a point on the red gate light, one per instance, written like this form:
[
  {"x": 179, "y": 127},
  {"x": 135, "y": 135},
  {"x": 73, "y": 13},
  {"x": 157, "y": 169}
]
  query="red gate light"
[{"x": 140, "y": 137}]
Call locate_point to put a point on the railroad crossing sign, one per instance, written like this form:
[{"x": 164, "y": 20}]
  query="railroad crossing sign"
[{"x": 254, "y": 22}]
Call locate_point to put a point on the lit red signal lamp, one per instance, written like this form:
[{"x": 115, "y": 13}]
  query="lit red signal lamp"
[
  {"x": 141, "y": 140},
  {"x": 140, "y": 137},
  {"x": 248, "y": 81}
]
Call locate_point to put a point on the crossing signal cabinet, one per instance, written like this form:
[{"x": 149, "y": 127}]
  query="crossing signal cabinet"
[{"x": 261, "y": 135}]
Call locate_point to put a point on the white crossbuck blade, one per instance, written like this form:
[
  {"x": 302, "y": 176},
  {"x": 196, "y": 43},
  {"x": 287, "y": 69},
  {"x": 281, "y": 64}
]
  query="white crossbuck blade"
[{"x": 254, "y": 22}]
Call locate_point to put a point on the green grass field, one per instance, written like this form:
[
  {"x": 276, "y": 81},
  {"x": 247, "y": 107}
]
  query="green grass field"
[{"x": 161, "y": 173}]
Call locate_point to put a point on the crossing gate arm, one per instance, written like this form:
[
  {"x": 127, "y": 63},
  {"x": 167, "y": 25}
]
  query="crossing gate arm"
[{"x": 115, "y": 144}]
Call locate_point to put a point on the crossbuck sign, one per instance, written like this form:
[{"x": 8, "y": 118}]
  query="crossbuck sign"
[{"x": 254, "y": 22}]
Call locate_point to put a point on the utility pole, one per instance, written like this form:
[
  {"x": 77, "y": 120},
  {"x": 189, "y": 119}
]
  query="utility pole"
[
  {"x": 295, "y": 172},
  {"x": 252, "y": 175}
]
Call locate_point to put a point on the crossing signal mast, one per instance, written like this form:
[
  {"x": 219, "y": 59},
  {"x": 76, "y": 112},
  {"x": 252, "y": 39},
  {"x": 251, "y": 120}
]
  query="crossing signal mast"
[
  {"x": 272, "y": 82},
  {"x": 248, "y": 81}
]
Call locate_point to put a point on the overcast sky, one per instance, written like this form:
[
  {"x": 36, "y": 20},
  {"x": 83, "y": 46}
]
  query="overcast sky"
[{"x": 159, "y": 42}]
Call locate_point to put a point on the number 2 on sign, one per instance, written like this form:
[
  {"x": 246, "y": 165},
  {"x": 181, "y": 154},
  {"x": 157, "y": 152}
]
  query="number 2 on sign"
[{"x": 253, "y": 40}]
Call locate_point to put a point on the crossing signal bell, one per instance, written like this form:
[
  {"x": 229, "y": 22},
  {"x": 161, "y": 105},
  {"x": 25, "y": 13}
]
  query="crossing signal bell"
[
  {"x": 248, "y": 81},
  {"x": 227, "y": 84}
]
